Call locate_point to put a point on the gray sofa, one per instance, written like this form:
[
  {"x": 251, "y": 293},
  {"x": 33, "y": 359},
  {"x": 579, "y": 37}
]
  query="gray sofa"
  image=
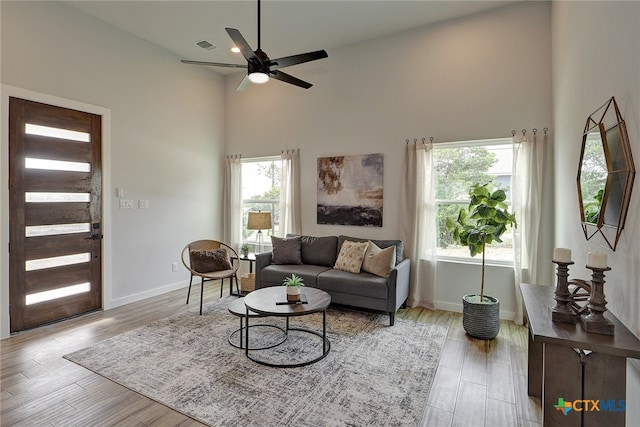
[{"x": 363, "y": 290}]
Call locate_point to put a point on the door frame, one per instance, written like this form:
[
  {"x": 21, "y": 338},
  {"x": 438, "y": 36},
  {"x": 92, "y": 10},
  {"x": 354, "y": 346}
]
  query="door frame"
[{"x": 7, "y": 91}]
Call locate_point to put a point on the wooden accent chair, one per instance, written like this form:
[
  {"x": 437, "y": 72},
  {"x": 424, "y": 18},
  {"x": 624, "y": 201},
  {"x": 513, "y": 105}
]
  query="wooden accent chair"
[{"x": 211, "y": 260}]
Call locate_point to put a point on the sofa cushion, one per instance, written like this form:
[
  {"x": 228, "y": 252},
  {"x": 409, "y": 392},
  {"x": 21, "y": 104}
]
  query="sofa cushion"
[
  {"x": 273, "y": 275},
  {"x": 209, "y": 260},
  {"x": 380, "y": 243},
  {"x": 351, "y": 256},
  {"x": 353, "y": 284},
  {"x": 286, "y": 251},
  {"x": 379, "y": 261},
  {"x": 319, "y": 250}
]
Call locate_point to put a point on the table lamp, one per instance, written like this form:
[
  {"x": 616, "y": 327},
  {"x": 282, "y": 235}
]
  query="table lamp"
[{"x": 259, "y": 221}]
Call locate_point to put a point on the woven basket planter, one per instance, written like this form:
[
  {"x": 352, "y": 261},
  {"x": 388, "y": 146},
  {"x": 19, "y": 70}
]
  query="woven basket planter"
[{"x": 481, "y": 320}]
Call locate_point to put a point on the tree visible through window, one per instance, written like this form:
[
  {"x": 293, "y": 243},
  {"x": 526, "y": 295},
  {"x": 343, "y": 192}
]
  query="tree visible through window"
[
  {"x": 457, "y": 166},
  {"x": 260, "y": 192}
]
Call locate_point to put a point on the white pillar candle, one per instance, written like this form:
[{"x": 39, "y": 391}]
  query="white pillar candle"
[
  {"x": 562, "y": 255},
  {"x": 597, "y": 260}
]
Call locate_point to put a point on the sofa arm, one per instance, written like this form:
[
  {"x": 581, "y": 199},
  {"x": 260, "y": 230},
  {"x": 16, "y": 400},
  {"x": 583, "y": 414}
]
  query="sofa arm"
[
  {"x": 399, "y": 284},
  {"x": 262, "y": 260}
]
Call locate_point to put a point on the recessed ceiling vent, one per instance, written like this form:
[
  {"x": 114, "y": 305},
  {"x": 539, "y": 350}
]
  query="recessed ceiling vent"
[{"x": 205, "y": 44}]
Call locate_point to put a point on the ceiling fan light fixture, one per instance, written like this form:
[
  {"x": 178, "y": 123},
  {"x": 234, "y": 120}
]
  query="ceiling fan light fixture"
[
  {"x": 259, "y": 67},
  {"x": 235, "y": 49},
  {"x": 258, "y": 77}
]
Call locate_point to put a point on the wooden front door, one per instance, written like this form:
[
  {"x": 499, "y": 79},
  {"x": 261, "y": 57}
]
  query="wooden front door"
[{"x": 55, "y": 219}]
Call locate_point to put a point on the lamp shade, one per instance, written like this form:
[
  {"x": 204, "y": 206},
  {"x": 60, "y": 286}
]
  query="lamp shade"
[{"x": 259, "y": 220}]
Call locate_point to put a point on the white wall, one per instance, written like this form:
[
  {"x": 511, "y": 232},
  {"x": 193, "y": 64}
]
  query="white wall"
[
  {"x": 166, "y": 137},
  {"x": 456, "y": 279},
  {"x": 471, "y": 78},
  {"x": 596, "y": 55}
]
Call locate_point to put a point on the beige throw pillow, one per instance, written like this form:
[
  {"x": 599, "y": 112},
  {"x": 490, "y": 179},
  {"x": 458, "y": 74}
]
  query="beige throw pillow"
[
  {"x": 351, "y": 256},
  {"x": 379, "y": 261}
]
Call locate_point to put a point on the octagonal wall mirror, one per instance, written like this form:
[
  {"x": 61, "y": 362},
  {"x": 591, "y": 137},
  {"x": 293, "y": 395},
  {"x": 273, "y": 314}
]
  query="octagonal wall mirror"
[{"x": 605, "y": 175}]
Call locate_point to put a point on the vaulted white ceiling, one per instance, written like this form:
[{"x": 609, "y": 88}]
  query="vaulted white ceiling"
[{"x": 288, "y": 27}]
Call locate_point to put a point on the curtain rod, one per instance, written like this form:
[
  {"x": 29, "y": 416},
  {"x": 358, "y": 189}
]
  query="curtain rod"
[
  {"x": 513, "y": 133},
  {"x": 534, "y": 130},
  {"x": 415, "y": 140}
]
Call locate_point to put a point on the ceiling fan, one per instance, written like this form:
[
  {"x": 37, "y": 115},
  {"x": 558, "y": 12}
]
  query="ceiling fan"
[{"x": 259, "y": 66}]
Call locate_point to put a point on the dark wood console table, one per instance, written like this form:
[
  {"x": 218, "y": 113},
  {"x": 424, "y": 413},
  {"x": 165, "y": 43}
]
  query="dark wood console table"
[{"x": 567, "y": 363}]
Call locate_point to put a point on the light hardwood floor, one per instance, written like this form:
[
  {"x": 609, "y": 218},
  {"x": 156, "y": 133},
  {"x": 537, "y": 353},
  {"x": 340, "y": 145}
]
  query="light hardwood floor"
[{"x": 478, "y": 383}]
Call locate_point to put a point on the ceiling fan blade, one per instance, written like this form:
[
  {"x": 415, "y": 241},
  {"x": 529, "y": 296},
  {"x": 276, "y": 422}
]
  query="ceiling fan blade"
[
  {"x": 284, "y": 77},
  {"x": 243, "y": 83},
  {"x": 215, "y": 64},
  {"x": 287, "y": 61},
  {"x": 242, "y": 44}
]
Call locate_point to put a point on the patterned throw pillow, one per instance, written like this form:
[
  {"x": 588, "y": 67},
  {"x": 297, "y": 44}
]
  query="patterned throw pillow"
[
  {"x": 379, "y": 261},
  {"x": 351, "y": 256},
  {"x": 209, "y": 260},
  {"x": 286, "y": 251}
]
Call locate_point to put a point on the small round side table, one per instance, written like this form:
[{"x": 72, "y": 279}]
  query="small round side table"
[{"x": 238, "y": 308}]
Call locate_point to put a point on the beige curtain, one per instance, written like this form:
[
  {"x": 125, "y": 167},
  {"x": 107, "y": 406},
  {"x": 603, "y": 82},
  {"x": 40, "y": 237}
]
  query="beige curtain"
[
  {"x": 529, "y": 169},
  {"x": 290, "y": 214},
  {"x": 418, "y": 219},
  {"x": 232, "y": 200}
]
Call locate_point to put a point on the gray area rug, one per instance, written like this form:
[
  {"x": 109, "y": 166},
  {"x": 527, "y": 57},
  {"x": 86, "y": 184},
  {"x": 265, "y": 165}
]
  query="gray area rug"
[{"x": 374, "y": 375}]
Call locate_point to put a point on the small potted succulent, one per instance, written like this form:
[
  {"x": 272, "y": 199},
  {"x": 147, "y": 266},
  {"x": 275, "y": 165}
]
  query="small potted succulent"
[
  {"x": 245, "y": 250},
  {"x": 293, "y": 284}
]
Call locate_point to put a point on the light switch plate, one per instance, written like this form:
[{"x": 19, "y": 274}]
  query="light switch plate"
[
  {"x": 126, "y": 204},
  {"x": 143, "y": 204}
]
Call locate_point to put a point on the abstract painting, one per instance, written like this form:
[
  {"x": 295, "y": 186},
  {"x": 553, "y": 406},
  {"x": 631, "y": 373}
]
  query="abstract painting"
[{"x": 350, "y": 190}]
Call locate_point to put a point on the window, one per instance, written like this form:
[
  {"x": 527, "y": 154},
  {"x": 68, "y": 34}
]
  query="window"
[
  {"x": 457, "y": 166},
  {"x": 260, "y": 192}
]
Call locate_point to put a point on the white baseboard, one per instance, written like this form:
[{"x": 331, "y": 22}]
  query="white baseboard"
[
  {"x": 147, "y": 294},
  {"x": 457, "y": 308}
]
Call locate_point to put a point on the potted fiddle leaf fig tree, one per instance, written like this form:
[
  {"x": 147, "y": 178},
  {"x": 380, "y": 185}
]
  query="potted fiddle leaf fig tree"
[{"x": 483, "y": 222}]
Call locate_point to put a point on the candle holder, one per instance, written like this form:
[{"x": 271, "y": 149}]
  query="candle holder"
[
  {"x": 594, "y": 321},
  {"x": 562, "y": 311}
]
